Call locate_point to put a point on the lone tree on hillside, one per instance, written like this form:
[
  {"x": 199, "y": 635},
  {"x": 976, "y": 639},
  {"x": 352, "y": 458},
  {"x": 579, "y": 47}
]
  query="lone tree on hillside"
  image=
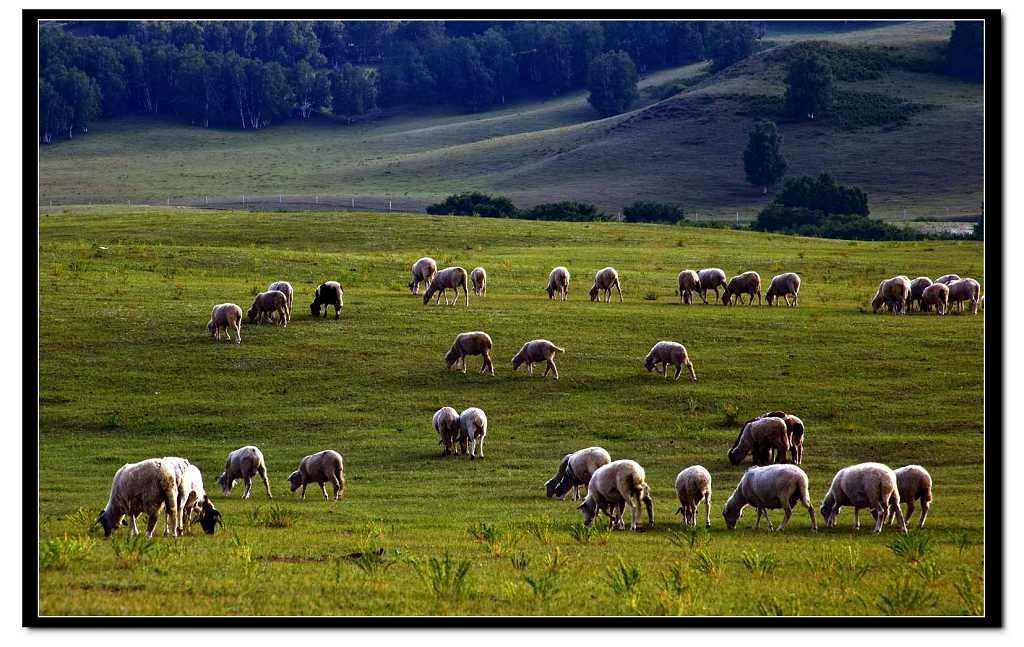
[
  {"x": 612, "y": 80},
  {"x": 965, "y": 56},
  {"x": 763, "y": 160},
  {"x": 808, "y": 86}
]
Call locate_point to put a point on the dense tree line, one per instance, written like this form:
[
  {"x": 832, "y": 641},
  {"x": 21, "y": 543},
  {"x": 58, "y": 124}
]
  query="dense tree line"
[{"x": 252, "y": 74}]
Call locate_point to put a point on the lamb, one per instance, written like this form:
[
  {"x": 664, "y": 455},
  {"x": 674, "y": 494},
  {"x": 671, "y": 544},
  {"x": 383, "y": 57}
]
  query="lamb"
[
  {"x": 423, "y": 271},
  {"x": 948, "y": 278},
  {"x": 479, "y": 278},
  {"x": 770, "y": 432},
  {"x": 669, "y": 352},
  {"x": 328, "y": 293},
  {"x": 446, "y": 424},
  {"x": 244, "y": 463},
  {"x": 538, "y": 350},
  {"x": 768, "y": 488},
  {"x": 266, "y": 304},
  {"x": 937, "y": 295},
  {"x": 558, "y": 281},
  {"x": 893, "y": 293},
  {"x": 689, "y": 283},
  {"x": 965, "y": 290},
  {"x": 576, "y": 469},
  {"x": 913, "y": 482},
  {"x": 604, "y": 281},
  {"x": 693, "y": 485},
  {"x": 472, "y": 429},
  {"x": 322, "y": 467},
  {"x": 286, "y": 287},
  {"x": 226, "y": 316},
  {"x": 449, "y": 278},
  {"x": 147, "y": 486},
  {"x": 748, "y": 283},
  {"x": 917, "y": 288},
  {"x": 783, "y": 286},
  {"x": 470, "y": 343},
  {"x": 191, "y": 496},
  {"x": 711, "y": 278},
  {"x": 616, "y": 485},
  {"x": 866, "y": 485}
]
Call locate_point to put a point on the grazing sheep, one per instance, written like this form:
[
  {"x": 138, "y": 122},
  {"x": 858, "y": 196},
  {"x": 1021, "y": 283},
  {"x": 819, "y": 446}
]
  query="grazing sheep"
[
  {"x": 604, "y": 281},
  {"x": 470, "y": 343},
  {"x": 479, "y": 278},
  {"x": 423, "y": 271},
  {"x": 450, "y": 278},
  {"x": 937, "y": 295},
  {"x": 784, "y": 285},
  {"x": 689, "y": 283},
  {"x": 538, "y": 350},
  {"x": 763, "y": 454},
  {"x": 472, "y": 429},
  {"x": 768, "y": 488},
  {"x": 893, "y": 293},
  {"x": 575, "y": 470},
  {"x": 446, "y": 424},
  {"x": 947, "y": 278},
  {"x": 266, "y": 304},
  {"x": 711, "y": 278},
  {"x": 965, "y": 290},
  {"x": 328, "y": 293},
  {"x": 616, "y": 485},
  {"x": 244, "y": 463},
  {"x": 913, "y": 482},
  {"x": 558, "y": 281},
  {"x": 147, "y": 486},
  {"x": 669, "y": 352},
  {"x": 286, "y": 287},
  {"x": 917, "y": 288},
  {"x": 761, "y": 436},
  {"x": 322, "y": 467},
  {"x": 866, "y": 485},
  {"x": 226, "y": 316},
  {"x": 748, "y": 283},
  {"x": 191, "y": 496},
  {"x": 693, "y": 485}
]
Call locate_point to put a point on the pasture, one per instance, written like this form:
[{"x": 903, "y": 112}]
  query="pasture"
[{"x": 127, "y": 371}]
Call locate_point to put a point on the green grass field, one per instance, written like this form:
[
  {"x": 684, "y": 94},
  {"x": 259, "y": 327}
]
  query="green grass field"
[{"x": 128, "y": 372}]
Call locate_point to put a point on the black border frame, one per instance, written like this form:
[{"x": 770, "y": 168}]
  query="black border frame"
[{"x": 994, "y": 370}]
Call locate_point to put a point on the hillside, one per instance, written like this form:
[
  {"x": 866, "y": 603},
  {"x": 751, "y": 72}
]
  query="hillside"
[{"x": 684, "y": 149}]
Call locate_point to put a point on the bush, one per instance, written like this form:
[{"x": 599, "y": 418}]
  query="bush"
[
  {"x": 653, "y": 212},
  {"x": 612, "y": 79},
  {"x": 574, "y": 211},
  {"x": 810, "y": 222},
  {"x": 474, "y": 204},
  {"x": 823, "y": 194}
]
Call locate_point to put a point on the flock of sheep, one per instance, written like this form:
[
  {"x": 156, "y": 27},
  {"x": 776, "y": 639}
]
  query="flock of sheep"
[{"x": 899, "y": 293}]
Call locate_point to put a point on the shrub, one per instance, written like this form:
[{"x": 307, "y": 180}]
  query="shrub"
[
  {"x": 58, "y": 553},
  {"x": 573, "y": 211},
  {"x": 474, "y": 204},
  {"x": 653, "y": 212}
]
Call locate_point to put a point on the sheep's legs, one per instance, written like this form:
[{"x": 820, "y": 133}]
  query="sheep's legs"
[
  {"x": 262, "y": 471},
  {"x": 924, "y": 513},
  {"x": 472, "y": 448},
  {"x": 551, "y": 367},
  {"x": 323, "y": 489},
  {"x": 679, "y": 370},
  {"x": 707, "y": 509},
  {"x": 910, "y": 511},
  {"x": 787, "y": 513},
  {"x": 247, "y": 490},
  {"x": 481, "y": 446},
  {"x": 529, "y": 367},
  {"x": 303, "y": 491},
  {"x": 856, "y": 518},
  {"x": 618, "y": 289}
]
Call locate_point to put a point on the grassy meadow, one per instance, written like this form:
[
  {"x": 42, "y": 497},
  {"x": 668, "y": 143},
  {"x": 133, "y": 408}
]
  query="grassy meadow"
[{"x": 128, "y": 372}]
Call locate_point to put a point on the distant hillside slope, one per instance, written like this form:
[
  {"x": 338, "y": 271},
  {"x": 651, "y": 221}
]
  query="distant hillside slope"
[{"x": 686, "y": 149}]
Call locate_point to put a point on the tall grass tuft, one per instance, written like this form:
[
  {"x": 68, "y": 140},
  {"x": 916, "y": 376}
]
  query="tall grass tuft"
[
  {"x": 969, "y": 590},
  {"x": 688, "y": 537},
  {"x": 131, "y": 549},
  {"x": 624, "y": 580},
  {"x": 777, "y": 606},
  {"x": 676, "y": 591},
  {"x": 759, "y": 564},
  {"x": 584, "y": 534},
  {"x": 520, "y": 561},
  {"x": 539, "y": 529},
  {"x": 912, "y": 547},
  {"x": 446, "y": 578},
  {"x": 705, "y": 562},
  {"x": 495, "y": 539},
  {"x": 729, "y": 415},
  {"x": 57, "y": 554},
  {"x": 373, "y": 562},
  {"x": 903, "y": 597}
]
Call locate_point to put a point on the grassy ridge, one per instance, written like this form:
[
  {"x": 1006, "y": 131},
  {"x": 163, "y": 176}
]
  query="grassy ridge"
[{"x": 127, "y": 372}]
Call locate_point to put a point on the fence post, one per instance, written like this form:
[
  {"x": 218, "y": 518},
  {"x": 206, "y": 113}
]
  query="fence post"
[
  {"x": 280, "y": 200},
  {"x": 389, "y": 206},
  {"x": 129, "y": 203},
  {"x": 316, "y": 199},
  {"x": 168, "y": 201},
  {"x": 243, "y": 199},
  {"x": 353, "y": 203},
  {"x": 206, "y": 200}
]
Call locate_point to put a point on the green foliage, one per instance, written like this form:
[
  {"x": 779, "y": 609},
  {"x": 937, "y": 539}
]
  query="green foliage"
[
  {"x": 575, "y": 211},
  {"x": 661, "y": 212},
  {"x": 546, "y": 583},
  {"x": 520, "y": 561},
  {"x": 970, "y": 591},
  {"x": 863, "y": 62},
  {"x": 58, "y": 553},
  {"x": 624, "y": 580},
  {"x": 584, "y": 534},
  {"x": 703, "y": 561},
  {"x": 539, "y": 529},
  {"x": 965, "y": 55},
  {"x": 779, "y": 606},
  {"x": 903, "y": 597},
  {"x": 730, "y": 42},
  {"x": 446, "y": 578},
  {"x": 730, "y": 414},
  {"x": 353, "y": 91},
  {"x": 692, "y": 538},
  {"x": 852, "y": 110},
  {"x": 474, "y": 204},
  {"x": 979, "y": 228},
  {"x": 759, "y": 563},
  {"x": 131, "y": 549},
  {"x": 809, "y": 89},
  {"x": 612, "y": 80},
  {"x": 372, "y": 561},
  {"x": 913, "y": 547},
  {"x": 274, "y": 516},
  {"x": 495, "y": 539},
  {"x": 763, "y": 161}
]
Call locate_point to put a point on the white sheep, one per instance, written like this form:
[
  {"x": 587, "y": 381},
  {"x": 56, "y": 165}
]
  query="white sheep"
[
  {"x": 689, "y": 283},
  {"x": 558, "y": 281},
  {"x": 669, "y": 352},
  {"x": 784, "y": 285},
  {"x": 965, "y": 290},
  {"x": 947, "y": 278},
  {"x": 191, "y": 497},
  {"x": 711, "y": 278},
  {"x": 322, "y": 467},
  {"x": 450, "y": 278},
  {"x": 769, "y": 488},
  {"x": 286, "y": 288},
  {"x": 913, "y": 483},
  {"x": 423, "y": 271},
  {"x": 226, "y": 316},
  {"x": 575, "y": 470},
  {"x": 748, "y": 283},
  {"x": 328, "y": 293},
  {"x": 893, "y": 293},
  {"x": 604, "y": 281},
  {"x": 244, "y": 463},
  {"x": 479, "y": 278},
  {"x": 470, "y": 343},
  {"x": 917, "y": 288},
  {"x": 268, "y": 303},
  {"x": 614, "y": 486},
  {"x": 866, "y": 485},
  {"x": 147, "y": 486},
  {"x": 472, "y": 429},
  {"x": 936, "y": 295},
  {"x": 538, "y": 350},
  {"x": 446, "y": 424},
  {"x": 693, "y": 485},
  {"x": 761, "y": 436}
]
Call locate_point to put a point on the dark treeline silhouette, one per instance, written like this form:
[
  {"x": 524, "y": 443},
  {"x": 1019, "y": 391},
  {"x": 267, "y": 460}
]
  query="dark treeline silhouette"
[{"x": 252, "y": 74}]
